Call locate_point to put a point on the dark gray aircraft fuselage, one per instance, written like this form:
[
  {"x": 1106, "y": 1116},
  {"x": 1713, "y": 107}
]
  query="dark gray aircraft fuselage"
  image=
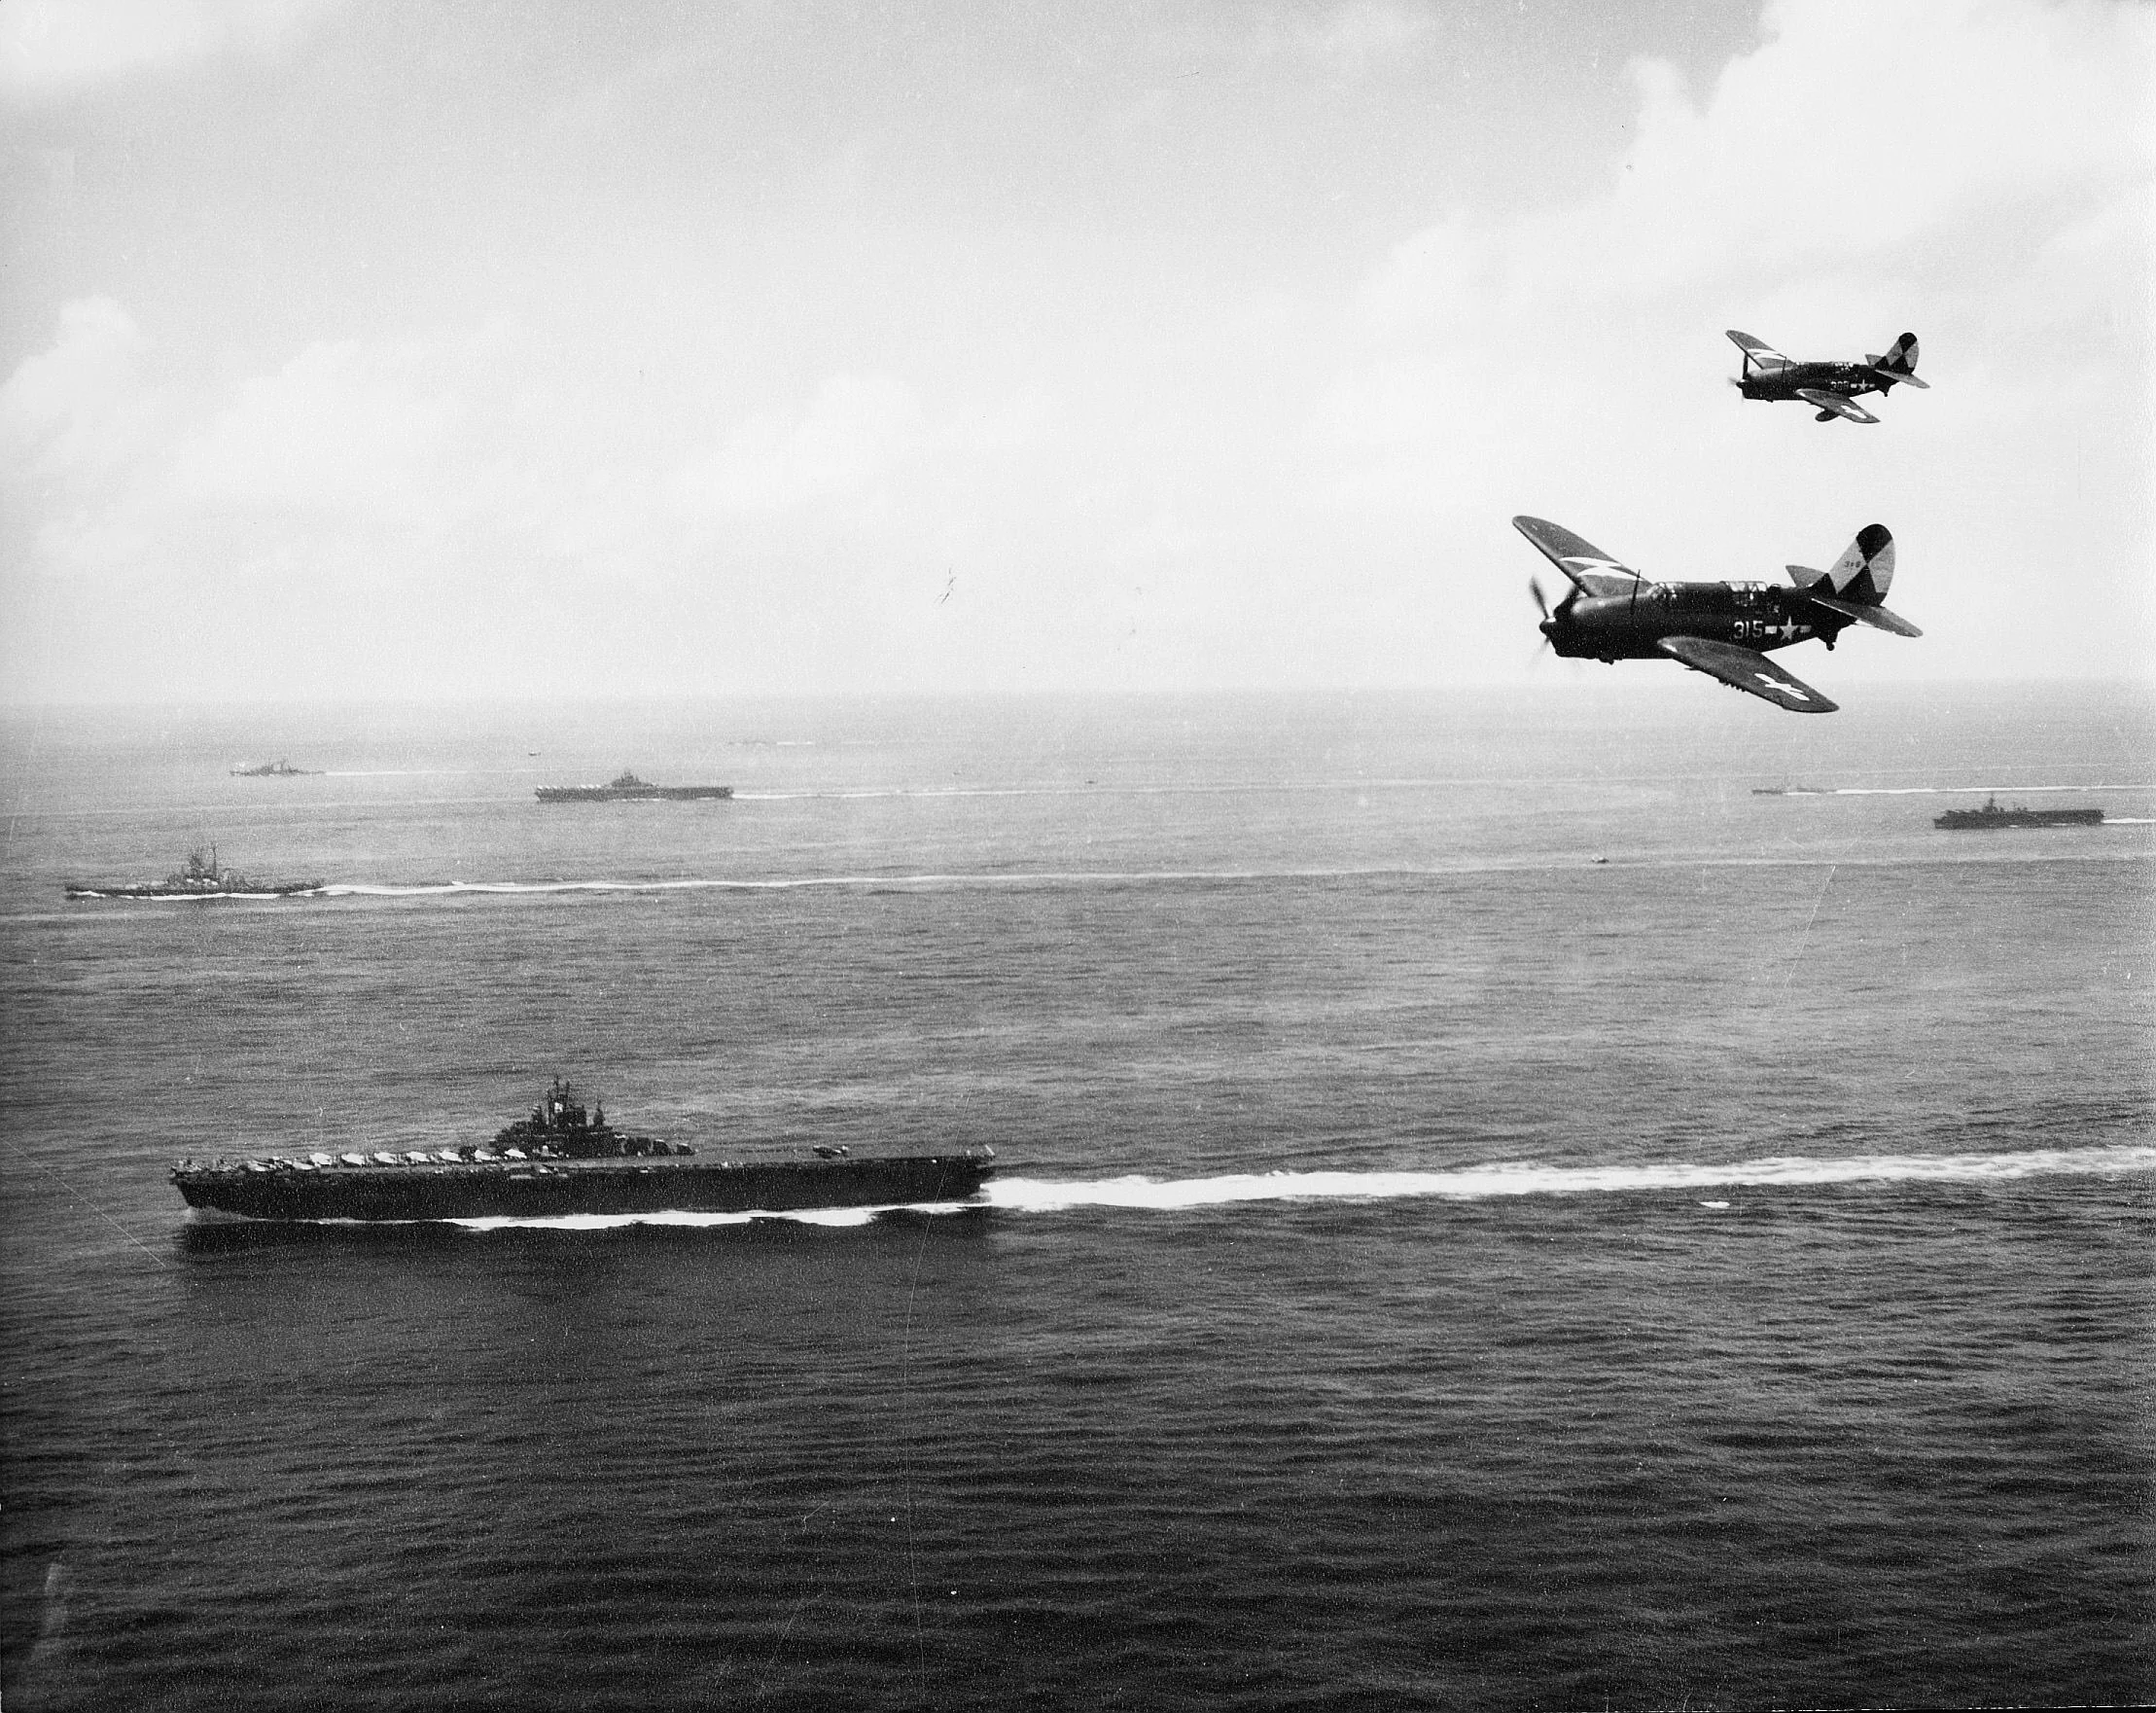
[
  {"x": 1629, "y": 626},
  {"x": 1849, "y": 379}
]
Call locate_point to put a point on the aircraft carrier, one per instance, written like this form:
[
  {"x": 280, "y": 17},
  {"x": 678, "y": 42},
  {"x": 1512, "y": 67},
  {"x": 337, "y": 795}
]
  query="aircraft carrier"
[
  {"x": 565, "y": 1161},
  {"x": 1992, "y": 816},
  {"x": 626, "y": 787}
]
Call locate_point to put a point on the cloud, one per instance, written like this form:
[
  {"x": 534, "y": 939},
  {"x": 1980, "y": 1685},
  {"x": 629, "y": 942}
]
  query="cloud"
[
  {"x": 478, "y": 435},
  {"x": 77, "y": 424},
  {"x": 118, "y": 477},
  {"x": 857, "y": 432},
  {"x": 56, "y": 46},
  {"x": 448, "y": 504},
  {"x": 340, "y": 427},
  {"x": 1799, "y": 160},
  {"x": 1348, "y": 40},
  {"x": 80, "y": 408},
  {"x": 1357, "y": 37}
]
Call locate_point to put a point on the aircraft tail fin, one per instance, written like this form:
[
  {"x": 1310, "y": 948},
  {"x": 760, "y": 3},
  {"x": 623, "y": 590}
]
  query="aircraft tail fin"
[
  {"x": 1856, "y": 587},
  {"x": 1862, "y": 576},
  {"x": 1899, "y": 364}
]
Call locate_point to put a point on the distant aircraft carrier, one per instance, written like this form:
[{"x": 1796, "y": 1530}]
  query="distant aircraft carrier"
[
  {"x": 626, "y": 787},
  {"x": 1991, "y": 816}
]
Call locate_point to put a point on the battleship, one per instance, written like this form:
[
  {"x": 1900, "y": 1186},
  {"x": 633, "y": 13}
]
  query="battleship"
[
  {"x": 626, "y": 787},
  {"x": 276, "y": 770},
  {"x": 1991, "y": 816},
  {"x": 199, "y": 877},
  {"x": 564, "y": 1160}
]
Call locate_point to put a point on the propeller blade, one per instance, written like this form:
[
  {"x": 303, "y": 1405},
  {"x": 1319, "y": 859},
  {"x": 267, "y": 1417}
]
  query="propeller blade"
[{"x": 1534, "y": 589}]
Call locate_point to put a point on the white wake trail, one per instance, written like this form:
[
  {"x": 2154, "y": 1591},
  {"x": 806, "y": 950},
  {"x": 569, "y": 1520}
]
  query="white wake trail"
[
  {"x": 1957, "y": 790},
  {"x": 1476, "y": 1183}
]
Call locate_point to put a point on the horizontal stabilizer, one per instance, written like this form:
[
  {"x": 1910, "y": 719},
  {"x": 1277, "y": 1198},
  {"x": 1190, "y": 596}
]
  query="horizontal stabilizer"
[
  {"x": 1591, "y": 570},
  {"x": 1835, "y": 403},
  {"x": 1900, "y": 379},
  {"x": 1741, "y": 669},
  {"x": 1877, "y": 617}
]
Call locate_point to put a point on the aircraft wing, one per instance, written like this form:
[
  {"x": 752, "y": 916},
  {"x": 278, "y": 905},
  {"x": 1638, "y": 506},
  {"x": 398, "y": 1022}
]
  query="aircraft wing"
[
  {"x": 1835, "y": 403},
  {"x": 1747, "y": 670},
  {"x": 1762, "y": 355},
  {"x": 1591, "y": 570}
]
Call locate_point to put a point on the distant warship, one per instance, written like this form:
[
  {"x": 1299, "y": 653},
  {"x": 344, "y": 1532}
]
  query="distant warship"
[
  {"x": 626, "y": 787},
  {"x": 277, "y": 769},
  {"x": 200, "y": 877},
  {"x": 1991, "y": 816},
  {"x": 563, "y": 1161}
]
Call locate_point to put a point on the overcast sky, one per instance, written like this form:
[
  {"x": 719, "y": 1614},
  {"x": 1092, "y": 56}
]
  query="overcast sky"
[{"x": 423, "y": 349}]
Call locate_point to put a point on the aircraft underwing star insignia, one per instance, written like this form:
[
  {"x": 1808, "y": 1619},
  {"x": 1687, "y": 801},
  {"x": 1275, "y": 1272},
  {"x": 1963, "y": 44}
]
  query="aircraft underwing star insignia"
[
  {"x": 1746, "y": 670},
  {"x": 1611, "y": 613},
  {"x": 1834, "y": 404}
]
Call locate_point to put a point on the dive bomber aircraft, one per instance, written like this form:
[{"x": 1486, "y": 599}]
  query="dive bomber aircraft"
[
  {"x": 1834, "y": 387},
  {"x": 1720, "y": 628}
]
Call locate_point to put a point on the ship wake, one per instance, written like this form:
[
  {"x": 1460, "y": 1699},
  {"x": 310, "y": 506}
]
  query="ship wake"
[
  {"x": 1483, "y": 1182},
  {"x": 1959, "y": 790}
]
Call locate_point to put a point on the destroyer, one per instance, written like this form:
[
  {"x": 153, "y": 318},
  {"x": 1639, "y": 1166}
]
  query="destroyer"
[
  {"x": 277, "y": 769},
  {"x": 1991, "y": 816},
  {"x": 200, "y": 877},
  {"x": 626, "y": 787},
  {"x": 563, "y": 1161}
]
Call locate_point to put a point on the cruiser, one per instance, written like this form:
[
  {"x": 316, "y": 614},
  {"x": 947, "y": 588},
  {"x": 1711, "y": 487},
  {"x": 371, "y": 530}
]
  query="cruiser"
[
  {"x": 199, "y": 877},
  {"x": 565, "y": 1161},
  {"x": 626, "y": 787}
]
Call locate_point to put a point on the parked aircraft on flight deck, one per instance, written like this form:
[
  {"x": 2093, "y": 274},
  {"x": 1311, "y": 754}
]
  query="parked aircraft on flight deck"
[
  {"x": 1615, "y": 614},
  {"x": 1833, "y": 387}
]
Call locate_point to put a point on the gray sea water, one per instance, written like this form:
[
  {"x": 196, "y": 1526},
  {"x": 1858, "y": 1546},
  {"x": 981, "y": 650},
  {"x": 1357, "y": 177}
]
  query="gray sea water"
[{"x": 1493, "y": 1212}]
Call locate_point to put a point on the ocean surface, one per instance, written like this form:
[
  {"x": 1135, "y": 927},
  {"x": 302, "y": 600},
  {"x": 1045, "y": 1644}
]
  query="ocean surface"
[{"x": 1493, "y": 1211}]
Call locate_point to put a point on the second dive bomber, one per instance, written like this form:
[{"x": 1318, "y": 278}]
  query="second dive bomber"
[
  {"x": 1720, "y": 628},
  {"x": 1832, "y": 388}
]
